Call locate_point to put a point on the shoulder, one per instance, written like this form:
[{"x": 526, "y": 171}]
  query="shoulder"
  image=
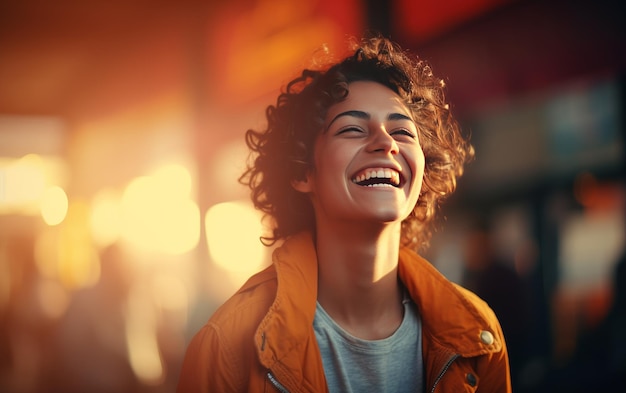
[
  {"x": 477, "y": 303},
  {"x": 223, "y": 348},
  {"x": 493, "y": 367},
  {"x": 246, "y": 308},
  {"x": 436, "y": 293},
  {"x": 233, "y": 324}
]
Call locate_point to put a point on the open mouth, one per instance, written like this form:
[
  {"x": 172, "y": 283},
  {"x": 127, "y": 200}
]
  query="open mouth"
[{"x": 378, "y": 177}]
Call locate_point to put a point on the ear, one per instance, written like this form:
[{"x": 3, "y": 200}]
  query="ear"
[{"x": 304, "y": 186}]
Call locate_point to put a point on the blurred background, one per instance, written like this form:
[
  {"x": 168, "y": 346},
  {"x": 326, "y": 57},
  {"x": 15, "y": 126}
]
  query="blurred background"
[{"x": 123, "y": 227}]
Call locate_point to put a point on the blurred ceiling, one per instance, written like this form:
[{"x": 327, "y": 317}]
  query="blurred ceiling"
[
  {"x": 52, "y": 52},
  {"x": 78, "y": 56},
  {"x": 54, "y": 56}
]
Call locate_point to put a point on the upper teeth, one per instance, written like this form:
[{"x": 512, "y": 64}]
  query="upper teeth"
[{"x": 392, "y": 175}]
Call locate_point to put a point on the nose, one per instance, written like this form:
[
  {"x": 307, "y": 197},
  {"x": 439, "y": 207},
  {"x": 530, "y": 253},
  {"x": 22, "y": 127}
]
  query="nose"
[{"x": 381, "y": 141}]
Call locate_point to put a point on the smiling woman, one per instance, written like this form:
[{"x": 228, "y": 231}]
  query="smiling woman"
[
  {"x": 285, "y": 150},
  {"x": 354, "y": 160},
  {"x": 378, "y": 141}
]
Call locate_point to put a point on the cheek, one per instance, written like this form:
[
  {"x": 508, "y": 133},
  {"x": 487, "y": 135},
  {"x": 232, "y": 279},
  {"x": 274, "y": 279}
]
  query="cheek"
[
  {"x": 323, "y": 160},
  {"x": 329, "y": 168},
  {"x": 333, "y": 157},
  {"x": 417, "y": 163}
]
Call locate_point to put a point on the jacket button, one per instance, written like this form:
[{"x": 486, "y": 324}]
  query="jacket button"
[
  {"x": 486, "y": 337},
  {"x": 471, "y": 379}
]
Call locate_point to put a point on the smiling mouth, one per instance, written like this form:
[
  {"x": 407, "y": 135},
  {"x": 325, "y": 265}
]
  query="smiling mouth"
[{"x": 377, "y": 177}]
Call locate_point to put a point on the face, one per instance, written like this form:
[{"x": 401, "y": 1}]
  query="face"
[{"x": 368, "y": 162}]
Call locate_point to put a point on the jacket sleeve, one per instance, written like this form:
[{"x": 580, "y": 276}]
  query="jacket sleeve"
[{"x": 209, "y": 364}]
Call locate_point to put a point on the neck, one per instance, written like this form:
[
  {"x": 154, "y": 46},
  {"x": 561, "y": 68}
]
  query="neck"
[{"x": 358, "y": 279}]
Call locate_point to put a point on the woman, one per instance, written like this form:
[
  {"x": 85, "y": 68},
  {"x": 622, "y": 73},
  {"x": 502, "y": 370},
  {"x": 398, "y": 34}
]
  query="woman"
[{"x": 351, "y": 167}]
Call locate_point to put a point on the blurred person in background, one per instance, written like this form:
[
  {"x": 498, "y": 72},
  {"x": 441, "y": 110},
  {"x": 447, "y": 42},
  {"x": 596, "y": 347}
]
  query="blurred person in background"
[
  {"x": 92, "y": 353},
  {"x": 599, "y": 362},
  {"x": 352, "y": 166},
  {"x": 25, "y": 328},
  {"x": 496, "y": 282}
]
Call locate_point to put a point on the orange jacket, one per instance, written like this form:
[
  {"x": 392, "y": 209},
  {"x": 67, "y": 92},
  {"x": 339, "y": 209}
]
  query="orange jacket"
[{"x": 262, "y": 338}]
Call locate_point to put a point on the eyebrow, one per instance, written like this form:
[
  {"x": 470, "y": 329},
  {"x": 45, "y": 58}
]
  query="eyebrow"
[
  {"x": 398, "y": 116},
  {"x": 366, "y": 116},
  {"x": 357, "y": 114}
]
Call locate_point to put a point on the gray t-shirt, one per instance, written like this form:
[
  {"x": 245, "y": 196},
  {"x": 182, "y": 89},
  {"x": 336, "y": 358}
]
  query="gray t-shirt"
[{"x": 393, "y": 364}]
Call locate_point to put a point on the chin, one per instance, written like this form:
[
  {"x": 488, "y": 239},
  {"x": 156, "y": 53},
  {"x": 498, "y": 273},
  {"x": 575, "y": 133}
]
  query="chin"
[{"x": 389, "y": 216}]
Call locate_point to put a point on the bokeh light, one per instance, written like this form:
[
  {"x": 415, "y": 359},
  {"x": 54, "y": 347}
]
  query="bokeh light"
[
  {"x": 78, "y": 264},
  {"x": 105, "y": 221},
  {"x": 24, "y": 180},
  {"x": 30, "y": 185},
  {"x": 158, "y": 213},
  {"x": 120, "y": 150},
  {"x": 143, "y": 349},
  {"x": 53, "y": 205},
  {"x": 233, "y": 230}
]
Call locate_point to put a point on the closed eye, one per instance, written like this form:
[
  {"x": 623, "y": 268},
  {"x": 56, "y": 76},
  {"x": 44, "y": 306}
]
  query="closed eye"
[
  {"x": 349, "y": 130},
  {"x": 404, "y": 132}
]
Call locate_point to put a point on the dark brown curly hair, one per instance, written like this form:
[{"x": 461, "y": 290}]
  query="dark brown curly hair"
[{"x": 283, "y": 151}]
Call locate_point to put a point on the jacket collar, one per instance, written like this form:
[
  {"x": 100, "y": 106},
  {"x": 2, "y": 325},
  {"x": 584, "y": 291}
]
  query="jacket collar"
[
  {"x": 449, "y": 314},
  {"x": 289, "y": 320},
  {"x": 456, "y": 319}
]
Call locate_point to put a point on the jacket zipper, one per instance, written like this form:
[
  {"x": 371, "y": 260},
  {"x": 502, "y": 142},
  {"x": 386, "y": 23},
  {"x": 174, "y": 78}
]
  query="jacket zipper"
[
  {"x": 276, "y": 384},
  {"x": 443, "y": 371}
]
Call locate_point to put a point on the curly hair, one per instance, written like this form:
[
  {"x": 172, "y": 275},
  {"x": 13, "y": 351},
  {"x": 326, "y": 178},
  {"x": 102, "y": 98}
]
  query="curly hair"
[{"x": 283, "y": 152}]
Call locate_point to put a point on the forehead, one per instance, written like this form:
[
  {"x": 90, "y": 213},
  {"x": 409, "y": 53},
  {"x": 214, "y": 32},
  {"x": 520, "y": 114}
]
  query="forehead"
[{"x": 371, "y": 97}]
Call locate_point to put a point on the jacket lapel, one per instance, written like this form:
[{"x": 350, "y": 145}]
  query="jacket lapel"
[
  {"x": 284, "y": 338},
  {"x": 452, "y": 318},
  {"x": 451, "y": 322},
  {"x": 449, "y": 313}
]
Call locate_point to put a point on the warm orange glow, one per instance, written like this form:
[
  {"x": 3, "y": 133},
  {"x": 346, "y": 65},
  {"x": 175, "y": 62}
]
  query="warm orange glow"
[
  {"x": 596, "y": 195},
  {"x": 423, "y": 20},
  {"x": 158, "y": 213},
  {"x": 176, "y": 178},
  {"x": 52, "y": 297},
  {"x": 46, "y": 253},
  {"x": 25, "y": 181},
  {"x": 78, "y": 263},
  {"x": 262, "y": 45},
  {"x": 65, "y": 254},
  {"x": 169, "y": 292},
  {"x": 5, "y": 283},
  {"x": 105, "y": 221},
  {"x": 53, "y": 205},
  {"x": 143, "y": 349},
  {"x": 233, "y": 230}
]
